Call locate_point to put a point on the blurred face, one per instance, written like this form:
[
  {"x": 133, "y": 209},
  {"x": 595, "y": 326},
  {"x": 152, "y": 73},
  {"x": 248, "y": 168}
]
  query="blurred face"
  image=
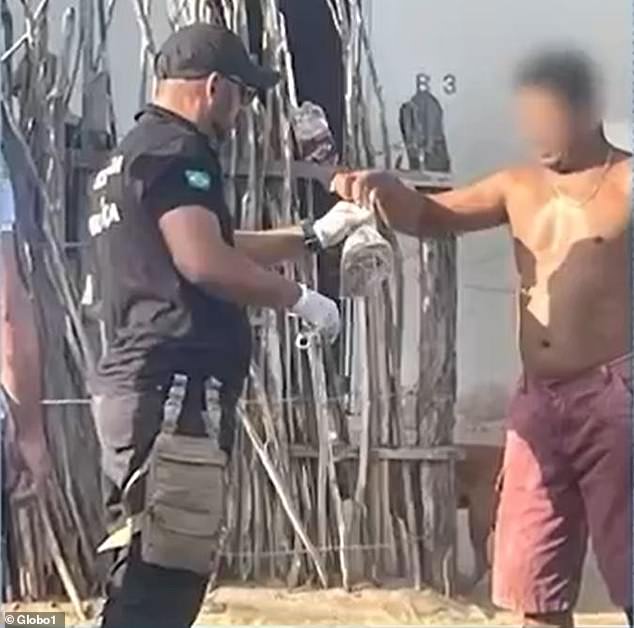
[
  {"x": 552, "y": 128},
  {"x": 226, "y": 97}
]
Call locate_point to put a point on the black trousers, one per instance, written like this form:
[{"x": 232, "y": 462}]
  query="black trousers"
[{"x": 141, "y": 595}]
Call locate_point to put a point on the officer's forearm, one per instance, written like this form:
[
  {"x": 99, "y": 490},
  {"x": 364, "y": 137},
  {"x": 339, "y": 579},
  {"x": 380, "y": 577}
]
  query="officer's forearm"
[
  {"x": 273, "y": 246},
  {"x": 193, "y": 237},
  {"x": 235, "y": 277}
]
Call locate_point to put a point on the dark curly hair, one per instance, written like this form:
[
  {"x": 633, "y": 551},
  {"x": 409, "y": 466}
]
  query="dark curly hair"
[{"x": 569, "y": 73}]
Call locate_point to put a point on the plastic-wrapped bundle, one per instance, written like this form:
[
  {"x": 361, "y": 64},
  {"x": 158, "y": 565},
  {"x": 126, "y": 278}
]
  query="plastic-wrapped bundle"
[
  {"x": 313, "y": 135},
  {"x": 367, "y": 261}
]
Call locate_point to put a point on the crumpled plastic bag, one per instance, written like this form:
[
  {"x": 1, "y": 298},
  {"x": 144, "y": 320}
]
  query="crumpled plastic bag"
[{"x": 367, "y": 260}]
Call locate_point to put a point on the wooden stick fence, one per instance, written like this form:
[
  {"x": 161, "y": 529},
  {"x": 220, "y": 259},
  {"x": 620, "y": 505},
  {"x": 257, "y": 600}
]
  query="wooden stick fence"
[{"x": 334, "y": 479}]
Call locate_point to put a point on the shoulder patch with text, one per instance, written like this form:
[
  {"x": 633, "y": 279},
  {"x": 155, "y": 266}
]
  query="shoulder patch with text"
[{"x": 198, "y": 179}]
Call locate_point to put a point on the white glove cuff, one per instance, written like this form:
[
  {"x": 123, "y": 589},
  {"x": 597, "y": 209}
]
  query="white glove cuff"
[
  {"x": 299, "y": 305},
  {"x": 319, "y": 234}
]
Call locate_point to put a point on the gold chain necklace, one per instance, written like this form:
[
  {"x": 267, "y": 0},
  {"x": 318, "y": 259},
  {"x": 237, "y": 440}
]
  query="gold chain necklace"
[{"x": 595, "y": 190}]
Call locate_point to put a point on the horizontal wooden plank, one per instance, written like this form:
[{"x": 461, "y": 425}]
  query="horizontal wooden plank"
[
  {"x": 90, "y": 159},
  {"x": 323, "y": 174},
  {"x": 415, "y": 454}
]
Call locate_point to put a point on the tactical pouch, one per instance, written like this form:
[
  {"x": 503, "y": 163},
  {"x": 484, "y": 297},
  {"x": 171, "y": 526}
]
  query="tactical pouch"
[
  {"x": 184, "y": 502},
  {"x": 184, "y": 506}
]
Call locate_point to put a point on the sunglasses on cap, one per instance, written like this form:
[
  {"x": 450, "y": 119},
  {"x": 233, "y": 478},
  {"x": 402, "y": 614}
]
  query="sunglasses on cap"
[{"x": 247, "y": 94}]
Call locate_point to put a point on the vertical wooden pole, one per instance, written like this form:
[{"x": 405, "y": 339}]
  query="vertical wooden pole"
[
  {"x": 436, "y": 398},
  {"x": 87, "y": 28}
]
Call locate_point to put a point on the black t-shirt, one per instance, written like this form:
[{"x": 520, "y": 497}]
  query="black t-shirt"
[{"x": 157, "y": 323}]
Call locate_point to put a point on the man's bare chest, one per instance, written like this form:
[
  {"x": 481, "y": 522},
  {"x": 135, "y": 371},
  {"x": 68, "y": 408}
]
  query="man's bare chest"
[{"x": 551, "y": 225}]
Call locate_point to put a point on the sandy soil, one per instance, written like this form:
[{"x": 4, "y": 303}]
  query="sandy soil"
[
  {"x": 366, "y": 606},
  {"x": 244, "y": 605}
]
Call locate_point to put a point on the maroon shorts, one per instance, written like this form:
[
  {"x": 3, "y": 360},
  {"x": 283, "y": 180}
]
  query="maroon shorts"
[{"x": 566, "y": 476}]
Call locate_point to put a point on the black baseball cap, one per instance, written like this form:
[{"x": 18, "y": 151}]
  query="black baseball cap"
[{"x": 198, "y": 50}]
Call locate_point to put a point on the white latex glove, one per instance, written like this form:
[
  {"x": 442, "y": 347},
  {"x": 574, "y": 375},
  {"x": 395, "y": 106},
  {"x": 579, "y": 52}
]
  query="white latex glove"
[
  {"x": 340, "y": 222},
  {"x": 320, "y": 312}
]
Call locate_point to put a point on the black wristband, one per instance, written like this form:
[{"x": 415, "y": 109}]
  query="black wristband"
[{"x": 311, "y": 241}]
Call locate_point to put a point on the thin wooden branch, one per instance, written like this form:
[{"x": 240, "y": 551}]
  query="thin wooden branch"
[
  {"x": 177, "y": 14},
  {"x": 32, "y": 17},
  {"x": 326, "y": 440},
  {"x": 61, "y": 566},
  {"x": 21, "y": 41},
  {"x": 378, "y": 89},
  {"x": 63, "y": 73},
  {"x": 74, "y": 73},
  {"x": 62, "y": 281},
  {"x": 105, "y": 22},
  {"x": 101, "y": 63},
  {"x": 282, "y": 493},
  {"x": 148, "y": 49},
  {"x": 142, "y": 9}
]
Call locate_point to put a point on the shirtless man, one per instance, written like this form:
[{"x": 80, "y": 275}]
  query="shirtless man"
[{"x": 566, "y": 471}]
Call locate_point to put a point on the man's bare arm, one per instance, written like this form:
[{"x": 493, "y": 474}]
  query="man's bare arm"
[
  {"x": 270, "y": 247},
  {"x": 475, "y": 207},
  {"x": 20, "y": 360},
  {"x": 193, "y": 237}
]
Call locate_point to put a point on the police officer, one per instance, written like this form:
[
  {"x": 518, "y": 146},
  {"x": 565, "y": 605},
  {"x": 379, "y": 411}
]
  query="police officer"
[{"x": 174, "y": 278}]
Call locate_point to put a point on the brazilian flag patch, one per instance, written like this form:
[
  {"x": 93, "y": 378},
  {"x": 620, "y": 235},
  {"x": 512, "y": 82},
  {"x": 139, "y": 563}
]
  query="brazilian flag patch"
[{"x": 198, "y": 179}]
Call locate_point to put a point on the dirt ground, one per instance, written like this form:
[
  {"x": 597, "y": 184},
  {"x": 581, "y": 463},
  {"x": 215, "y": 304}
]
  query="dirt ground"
[
  {"x": 244, "y": 605},
  {"x": 379, "y": 607}
]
